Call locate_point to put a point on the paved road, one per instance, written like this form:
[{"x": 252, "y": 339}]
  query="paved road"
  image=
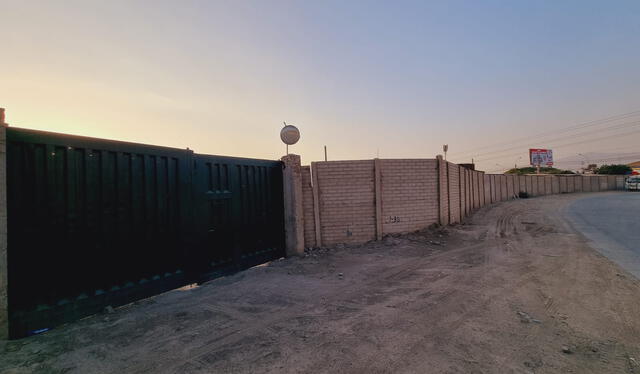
[{"x": 611, "y": 222}]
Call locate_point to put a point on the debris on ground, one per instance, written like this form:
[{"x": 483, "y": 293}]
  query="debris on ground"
[
  {"x": 526, "y": 318},
  {"x": 566, "y": 349}
]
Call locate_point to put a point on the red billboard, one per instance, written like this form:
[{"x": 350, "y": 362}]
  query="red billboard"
[{"x": 540, "y": 157}]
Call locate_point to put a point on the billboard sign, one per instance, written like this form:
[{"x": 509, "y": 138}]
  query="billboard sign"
[{"x": 541, "y": 157}]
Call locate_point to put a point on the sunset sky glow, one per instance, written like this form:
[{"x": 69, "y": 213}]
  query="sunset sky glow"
[{"x": 394, "y": 78}]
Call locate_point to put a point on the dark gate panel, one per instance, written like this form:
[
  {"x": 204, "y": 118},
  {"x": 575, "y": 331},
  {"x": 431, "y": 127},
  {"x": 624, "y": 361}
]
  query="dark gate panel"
[
  {"x": 93, "y": 222},
  {"x": 239, "y": 212}
]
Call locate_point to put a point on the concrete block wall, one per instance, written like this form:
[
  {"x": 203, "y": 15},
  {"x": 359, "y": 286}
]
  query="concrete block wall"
[
  {"x": 359, "y": 201},
  {"x": 579, "y": 185},
  {"x": 476, "y": 189},
  {"x": 409, "y": 194},
  {"x": 464, "y": 191},
  {"x": 454, "y": 193},
  {"x": 539, "y": 185},
  {"x": 487, "y": 189},
  {"x": 4, "y": 302},
  {"x": 346, "y": 201},
  {"x": 510, "y": 179},
  {"x": 482, "y": 193},
  {"x": 307, "y": 206},
  {"x": 595, "y": 184},
  {"x": 467, "y": 191},
  {"x": 548, "y": 181},
  {"x": 442, "y": 180}
]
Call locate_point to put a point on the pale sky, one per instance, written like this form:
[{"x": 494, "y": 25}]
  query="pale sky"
[{"x": 366, "y": 78}]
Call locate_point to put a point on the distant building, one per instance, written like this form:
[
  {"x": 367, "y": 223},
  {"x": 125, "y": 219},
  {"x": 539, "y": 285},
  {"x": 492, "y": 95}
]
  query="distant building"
[
  {"x": 469, "y": 166},
  {"x": 590, "y": 169}
]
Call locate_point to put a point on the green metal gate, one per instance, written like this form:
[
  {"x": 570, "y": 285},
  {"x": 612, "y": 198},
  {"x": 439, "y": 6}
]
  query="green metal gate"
[{"x": 94, "y": 222}]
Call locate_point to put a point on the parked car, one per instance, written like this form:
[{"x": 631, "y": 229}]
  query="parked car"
[{"x": 632, "y": 183}]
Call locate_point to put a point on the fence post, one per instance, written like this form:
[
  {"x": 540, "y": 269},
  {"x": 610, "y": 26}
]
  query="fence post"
[
  {"x": 293, "y": 213},
  {"x": 4, "y": 302},
  {"x": 443, "y": 195}
]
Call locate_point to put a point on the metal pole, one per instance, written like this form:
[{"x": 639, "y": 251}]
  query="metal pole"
[{"x": 325, "y": 153}]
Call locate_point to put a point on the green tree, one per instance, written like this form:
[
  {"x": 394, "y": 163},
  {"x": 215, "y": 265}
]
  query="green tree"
[
  {"x": 543, "y": 170},
  {"x": 618, "y": 169}
]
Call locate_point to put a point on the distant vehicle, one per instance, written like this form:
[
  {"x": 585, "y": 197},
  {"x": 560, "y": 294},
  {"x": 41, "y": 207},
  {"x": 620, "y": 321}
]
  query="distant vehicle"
[{"x": 632, "y": 183}]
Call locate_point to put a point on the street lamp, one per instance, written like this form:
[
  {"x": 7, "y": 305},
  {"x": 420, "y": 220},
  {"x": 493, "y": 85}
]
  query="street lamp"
[
  {"x": 583, "y": 161},
  {"x": 515, "y": 164}
]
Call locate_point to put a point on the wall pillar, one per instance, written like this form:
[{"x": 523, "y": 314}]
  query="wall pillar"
[
  {"x": 293, "y": 213},
  {"x": 4, "y": 302},
  {"x": 378, "y": 190},
  {"x": 443, "y": 190},
  {"x": 316, "y": 203}
]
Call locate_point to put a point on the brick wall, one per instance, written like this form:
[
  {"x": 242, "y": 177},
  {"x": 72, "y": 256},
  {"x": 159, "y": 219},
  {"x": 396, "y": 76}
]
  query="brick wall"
[
  {"x": 454, "y": 193},
  {"x": 487, "y": 189},
  {"x": 307, "y": 206},
  {"x": 346, "y": 201},
  {"x": 463, "y": 191},
  {"x": 359, "y": 201},
  {"x": 409, "y": 195}
]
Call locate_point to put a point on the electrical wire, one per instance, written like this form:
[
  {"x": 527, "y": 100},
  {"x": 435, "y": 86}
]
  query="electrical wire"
[
  {"x": 563, "y": 145},
  {"x": 598, "y": 131},
  {"x": 548, "y": 133}
]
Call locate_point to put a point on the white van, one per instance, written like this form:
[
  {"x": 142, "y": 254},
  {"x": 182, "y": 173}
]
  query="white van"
[{"x": 632, "y": 183}]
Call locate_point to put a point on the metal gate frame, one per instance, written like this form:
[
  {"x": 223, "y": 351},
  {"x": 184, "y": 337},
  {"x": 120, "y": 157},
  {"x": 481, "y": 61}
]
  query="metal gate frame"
[{"x": 95, "y": 222}]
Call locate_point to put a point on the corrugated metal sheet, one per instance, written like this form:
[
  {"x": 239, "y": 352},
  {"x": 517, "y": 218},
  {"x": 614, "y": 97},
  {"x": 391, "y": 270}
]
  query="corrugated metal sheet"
[{"x": 94, "y": 222}]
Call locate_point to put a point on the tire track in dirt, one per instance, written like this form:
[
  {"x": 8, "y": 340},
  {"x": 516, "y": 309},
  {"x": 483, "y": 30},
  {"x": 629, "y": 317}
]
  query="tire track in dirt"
[
  {"x": 388, "y": 275},
  {"x": 402, "y": 305}
]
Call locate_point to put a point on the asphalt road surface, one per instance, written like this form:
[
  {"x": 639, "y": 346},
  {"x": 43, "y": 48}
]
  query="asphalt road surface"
[{"x": 612, "y": 223}]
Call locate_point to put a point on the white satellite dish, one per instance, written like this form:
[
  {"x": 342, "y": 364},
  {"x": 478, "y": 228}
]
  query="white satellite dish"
[{"x": 289, "y": 134}]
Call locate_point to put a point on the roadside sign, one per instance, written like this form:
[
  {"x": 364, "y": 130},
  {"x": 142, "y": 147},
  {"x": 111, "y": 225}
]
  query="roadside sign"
[{"x": 539, "y": 157}]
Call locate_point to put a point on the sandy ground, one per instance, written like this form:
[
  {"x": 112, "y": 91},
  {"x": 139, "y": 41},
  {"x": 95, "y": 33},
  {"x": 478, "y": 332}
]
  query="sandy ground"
[{"x": 505, "y": 292}]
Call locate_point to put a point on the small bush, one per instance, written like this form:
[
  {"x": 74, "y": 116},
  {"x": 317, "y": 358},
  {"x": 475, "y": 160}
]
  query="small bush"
[
  {"x": 619, "y": 169},
  {"x": 543, "y": 170}
]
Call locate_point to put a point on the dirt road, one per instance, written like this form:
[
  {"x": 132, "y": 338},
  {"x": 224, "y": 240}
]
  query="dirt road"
[{"x": 504, "y": 293}]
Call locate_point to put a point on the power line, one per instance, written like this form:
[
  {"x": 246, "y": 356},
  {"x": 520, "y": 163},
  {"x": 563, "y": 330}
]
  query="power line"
[
  {"x": 595, "y": 160},
  {"x": 554, "y": 132},
  {"x": 595, "y": 131},
  {"x": 581, "y": 125},
  {"x": 563, "y": 145}
]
